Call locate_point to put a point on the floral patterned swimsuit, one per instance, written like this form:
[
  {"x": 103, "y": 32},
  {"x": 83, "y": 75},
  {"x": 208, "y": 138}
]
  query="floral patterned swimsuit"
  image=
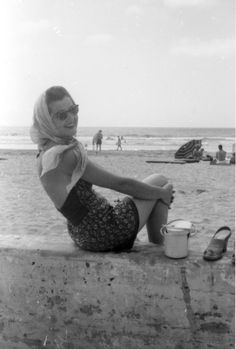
[{"x": 95, "y": 225}]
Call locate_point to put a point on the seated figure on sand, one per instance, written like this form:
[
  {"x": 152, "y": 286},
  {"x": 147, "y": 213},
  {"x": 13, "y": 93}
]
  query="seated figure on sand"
[
  {"x": 232, "y": 159},
  {"x": 220, "y": 154},
  {"x": 220, "y": 157},
  {"x": 68, "y": 175},
  {"x": 198, "y": 152}
]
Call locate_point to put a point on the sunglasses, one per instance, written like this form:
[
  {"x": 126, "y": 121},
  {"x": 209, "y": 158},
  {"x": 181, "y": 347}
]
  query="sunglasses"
[{"x": 62, "y": 114}]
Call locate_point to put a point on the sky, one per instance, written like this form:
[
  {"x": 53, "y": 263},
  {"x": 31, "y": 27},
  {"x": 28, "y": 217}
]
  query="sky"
[{"x": 150, "y": 63}]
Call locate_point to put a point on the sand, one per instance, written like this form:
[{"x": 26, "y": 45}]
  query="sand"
[{"x": 205, "y": 194}]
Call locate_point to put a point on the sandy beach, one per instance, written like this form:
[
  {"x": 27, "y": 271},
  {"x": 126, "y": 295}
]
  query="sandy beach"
[{"x": 205, "y": 194}]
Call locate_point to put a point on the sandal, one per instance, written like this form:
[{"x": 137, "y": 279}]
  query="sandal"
[{"x": 218, "y": 244}]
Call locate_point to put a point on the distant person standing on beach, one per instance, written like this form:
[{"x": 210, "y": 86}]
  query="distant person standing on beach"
[
  {"x": 99, "y": 137},
  {"x": 97, "y": 141},
  {"x": 221, "y": 154},
  {"x": 94, "y": 141},
  {"x": 68, "y": 175},
  {"x": 119, "y": 146}
]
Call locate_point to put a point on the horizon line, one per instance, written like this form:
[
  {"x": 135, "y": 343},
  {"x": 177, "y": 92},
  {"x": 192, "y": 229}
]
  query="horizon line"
[{"x": 109, "y": 126}]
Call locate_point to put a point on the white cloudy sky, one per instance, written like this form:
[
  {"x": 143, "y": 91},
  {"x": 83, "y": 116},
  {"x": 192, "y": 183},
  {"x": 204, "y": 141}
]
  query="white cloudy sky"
[{"x": 126, "y": 62}]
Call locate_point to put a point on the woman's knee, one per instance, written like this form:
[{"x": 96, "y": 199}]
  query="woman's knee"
[{"x": 156, "y": 179}]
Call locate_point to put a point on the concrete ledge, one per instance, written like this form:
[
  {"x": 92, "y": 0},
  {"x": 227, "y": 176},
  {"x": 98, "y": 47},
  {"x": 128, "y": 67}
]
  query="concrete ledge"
[{"x": 70, "y": 299}]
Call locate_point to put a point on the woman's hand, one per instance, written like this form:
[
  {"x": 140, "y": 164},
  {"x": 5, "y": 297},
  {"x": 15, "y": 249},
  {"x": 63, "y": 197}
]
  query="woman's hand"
[{"x": 168, "y": 195}]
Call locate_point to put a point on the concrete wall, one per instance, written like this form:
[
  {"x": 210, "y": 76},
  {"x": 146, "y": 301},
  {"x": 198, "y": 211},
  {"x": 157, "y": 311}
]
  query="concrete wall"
[{"x": 69, "y": 299}]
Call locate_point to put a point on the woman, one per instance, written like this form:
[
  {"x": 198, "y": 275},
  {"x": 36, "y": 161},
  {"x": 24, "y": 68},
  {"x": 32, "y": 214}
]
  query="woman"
[{"x": 67, "y": 176}]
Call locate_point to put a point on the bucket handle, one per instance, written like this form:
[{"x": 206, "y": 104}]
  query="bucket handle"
[{"x": 193, "y": 230}]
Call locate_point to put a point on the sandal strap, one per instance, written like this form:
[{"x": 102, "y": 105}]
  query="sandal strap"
[
  {"x": 216, "y": 243},
  {"x": 225, "y": 227}
]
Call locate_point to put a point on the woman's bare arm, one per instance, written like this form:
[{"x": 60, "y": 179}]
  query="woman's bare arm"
[{"x": 129, "y": 186}]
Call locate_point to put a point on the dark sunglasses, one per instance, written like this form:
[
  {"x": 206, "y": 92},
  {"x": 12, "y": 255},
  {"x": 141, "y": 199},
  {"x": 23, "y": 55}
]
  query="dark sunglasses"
[{"x": 62, "y": 115}]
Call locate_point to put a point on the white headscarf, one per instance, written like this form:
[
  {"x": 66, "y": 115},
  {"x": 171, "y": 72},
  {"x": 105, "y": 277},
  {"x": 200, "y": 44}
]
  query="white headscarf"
[{"x": 42, "y": 132}]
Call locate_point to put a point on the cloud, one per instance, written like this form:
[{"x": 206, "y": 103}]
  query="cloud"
[
  {"x": 34, "y": 27},
  {"x": 223, "y": 47},
  {"x": 98, "y": 39},
  {"x": 133, "y": 10},
  {"x": 187, "y": 3}
]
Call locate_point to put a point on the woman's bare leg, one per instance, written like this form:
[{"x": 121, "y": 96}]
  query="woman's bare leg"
[
  {"x": 157, "y": 218},
  {"x": 151, "y": 212}
]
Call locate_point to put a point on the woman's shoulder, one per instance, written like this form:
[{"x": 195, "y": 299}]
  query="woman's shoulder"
[
  {"x": 51, "y": 161},
  {"x": 63, "y": 159},
  {"x": 68, "y": 161}
]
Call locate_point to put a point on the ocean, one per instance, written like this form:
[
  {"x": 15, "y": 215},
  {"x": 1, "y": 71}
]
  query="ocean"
[{"x": 134, "y": 138}]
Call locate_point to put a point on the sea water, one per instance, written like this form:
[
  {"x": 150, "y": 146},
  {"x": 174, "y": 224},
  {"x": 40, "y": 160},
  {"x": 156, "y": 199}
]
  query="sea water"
[{"x": 134, "y": 138}]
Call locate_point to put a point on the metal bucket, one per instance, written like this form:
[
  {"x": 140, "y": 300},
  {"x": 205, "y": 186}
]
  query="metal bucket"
[{"x": 176, "y": 235}]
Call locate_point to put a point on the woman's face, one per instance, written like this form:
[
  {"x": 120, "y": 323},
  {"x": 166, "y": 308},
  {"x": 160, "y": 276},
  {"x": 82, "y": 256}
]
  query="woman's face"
[{"x": 64, "y": 115}]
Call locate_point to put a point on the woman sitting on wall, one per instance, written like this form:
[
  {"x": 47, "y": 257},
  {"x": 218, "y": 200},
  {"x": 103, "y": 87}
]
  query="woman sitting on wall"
[{"x": 68, "y": 176}]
